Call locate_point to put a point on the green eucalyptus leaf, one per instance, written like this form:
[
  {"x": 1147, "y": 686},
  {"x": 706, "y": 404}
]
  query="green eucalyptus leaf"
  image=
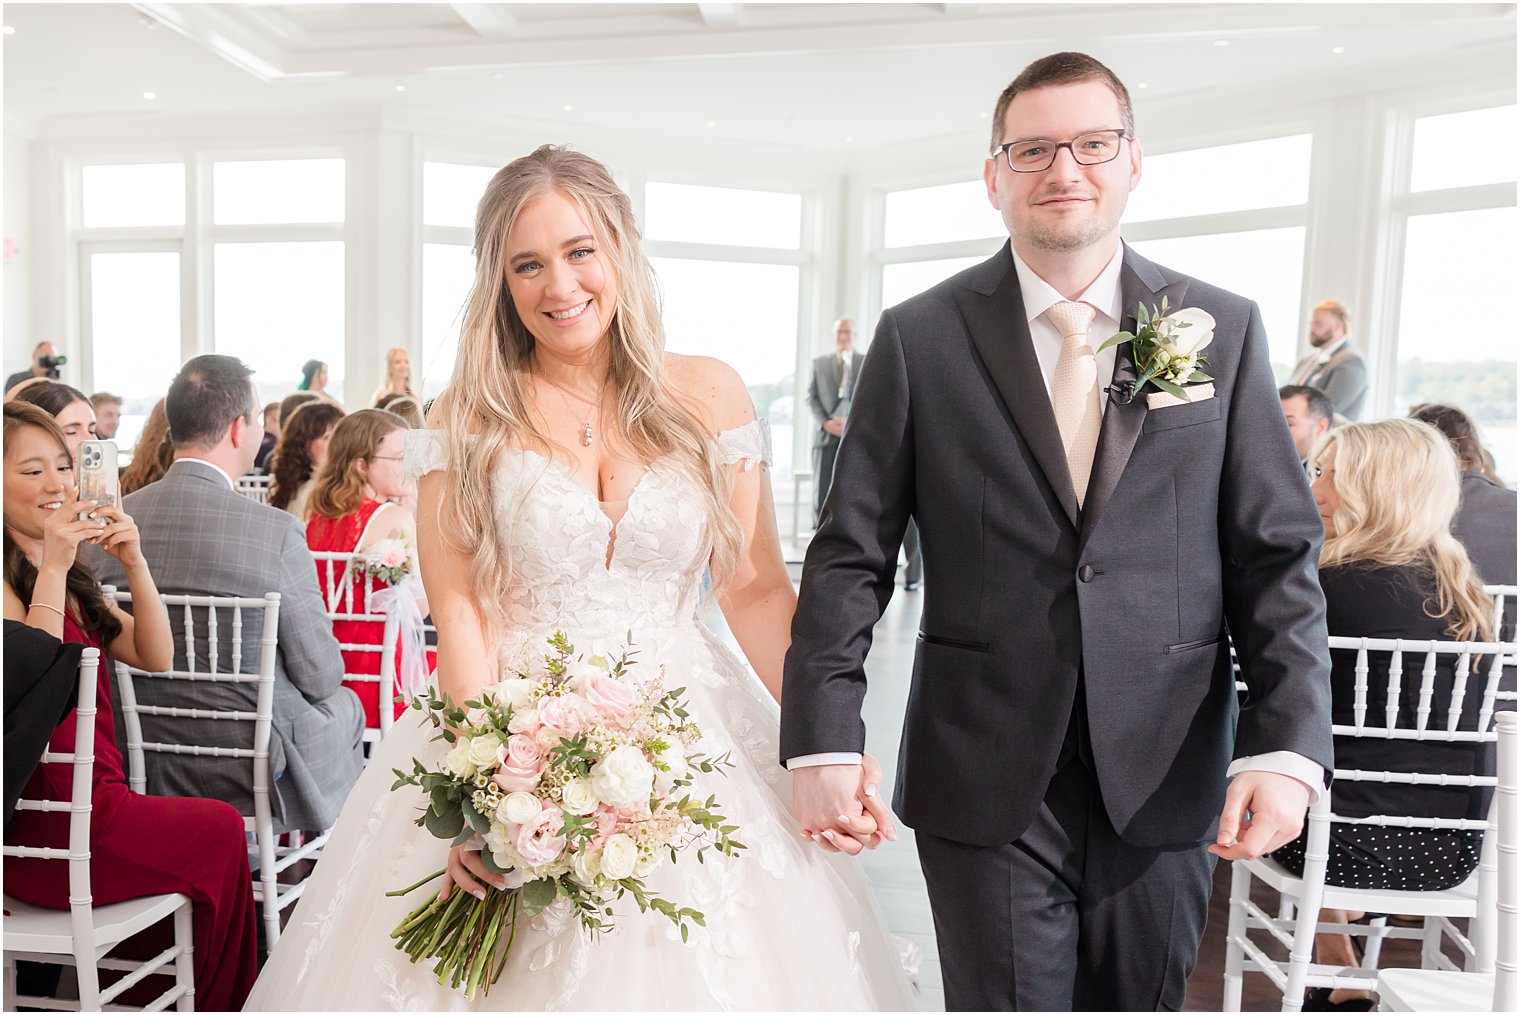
[
  {"x": 1119, "y": 339},
  {"x": 537, "y": 894},
  {"x": 444, "y": 826},
  {"x": 1168, "y": 387},
  {"x": 1199, "y": 377}
]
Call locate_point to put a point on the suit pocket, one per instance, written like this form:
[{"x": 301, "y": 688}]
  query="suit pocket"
[
  {"x": 1188, "y": 646},
  {"x": 969, "y": 646},
  {"x": 1174, "y": 416}
]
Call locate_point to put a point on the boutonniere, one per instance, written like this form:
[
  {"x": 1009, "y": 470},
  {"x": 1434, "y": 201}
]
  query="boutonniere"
[{"x": 1167, "y": 346}]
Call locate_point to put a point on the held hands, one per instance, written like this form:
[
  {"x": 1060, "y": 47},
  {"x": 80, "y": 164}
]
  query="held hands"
[
  {"x": 1276, "y": 805},
  {"x": 840, "y": 807}
]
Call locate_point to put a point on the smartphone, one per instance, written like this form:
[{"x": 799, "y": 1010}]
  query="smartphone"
[{"x": 97, "y": 473}]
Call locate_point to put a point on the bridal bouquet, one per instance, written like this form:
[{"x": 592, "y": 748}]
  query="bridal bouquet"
[
  {"x": 389, "y": 560},
  {"x": 572, "y": 778}
]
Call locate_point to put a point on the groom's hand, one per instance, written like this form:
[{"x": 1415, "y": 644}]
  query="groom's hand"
[
  {"x": 1276, "y": 805},
  {"x": 826, "y": 805}
]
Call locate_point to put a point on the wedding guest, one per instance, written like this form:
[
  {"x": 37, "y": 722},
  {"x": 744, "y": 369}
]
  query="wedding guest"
[
  {"x": 41, "y": 675},
  {"x": 271, "y": 420},
  {"x": 107, "y": 414},
  {"x": 1335, "y": 366},
  {"x": 152, "y": 455},
  {"x": 203, "y": 538},
  {"x": 139, "y": 845},
  {"x": 1390, "y": 568},
  {"x": 406, "y": 407},
  {"x": 67, "y": 405},
  {"x": 398, "y": 377},
  {"x": 290, "y": 403},
  {"x": 301, "y": 448},
  {"x": 44, "y": 367},
  {"x": 351, "y": 512},
  {"x": 1309, "y": 413},
  {"x": 314, "y": 380},
  {"x": 830, "y": 393}
]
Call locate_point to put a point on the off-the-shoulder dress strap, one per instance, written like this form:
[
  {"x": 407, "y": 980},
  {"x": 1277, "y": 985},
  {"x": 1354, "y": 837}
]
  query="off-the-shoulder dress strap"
[
  {"x": 425, "y": 451},
  {"x": 747, "y": 445}
]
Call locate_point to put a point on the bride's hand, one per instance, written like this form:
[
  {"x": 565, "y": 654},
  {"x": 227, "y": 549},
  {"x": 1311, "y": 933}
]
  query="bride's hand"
[{"x": 465, "y": 866}]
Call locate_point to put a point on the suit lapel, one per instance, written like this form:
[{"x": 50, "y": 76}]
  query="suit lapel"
[
  {"x": 994, "y": 313},
  {"x": 1140, "y": 281}
]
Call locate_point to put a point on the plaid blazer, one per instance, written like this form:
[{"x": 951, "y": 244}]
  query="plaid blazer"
[{"x": 202, "y": 538}]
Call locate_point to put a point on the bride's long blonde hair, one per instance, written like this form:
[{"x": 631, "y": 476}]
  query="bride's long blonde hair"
[
  {"x": 488, "y": 394},
  {"x": 1399, "y": 486}
]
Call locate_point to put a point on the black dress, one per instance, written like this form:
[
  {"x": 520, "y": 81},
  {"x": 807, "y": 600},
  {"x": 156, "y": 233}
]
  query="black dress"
[{"x": 1375, "y": 601}]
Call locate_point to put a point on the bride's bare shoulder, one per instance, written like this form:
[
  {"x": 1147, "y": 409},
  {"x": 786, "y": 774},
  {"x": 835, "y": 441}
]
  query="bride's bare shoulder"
[{"x": 712, "y": 388}]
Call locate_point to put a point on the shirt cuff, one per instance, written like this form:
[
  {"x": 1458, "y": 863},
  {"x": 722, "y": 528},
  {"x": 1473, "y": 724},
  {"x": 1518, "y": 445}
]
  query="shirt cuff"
[
  {"x": 1295, "y": 766},
  {"x": 833, "y": 758}
]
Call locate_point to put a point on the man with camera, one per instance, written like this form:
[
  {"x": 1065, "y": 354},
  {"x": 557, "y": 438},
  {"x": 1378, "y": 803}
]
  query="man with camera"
[{"x": 45, "y": 363}]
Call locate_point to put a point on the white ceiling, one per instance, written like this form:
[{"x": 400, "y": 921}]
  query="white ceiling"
[{"x": 822, "y": 77}]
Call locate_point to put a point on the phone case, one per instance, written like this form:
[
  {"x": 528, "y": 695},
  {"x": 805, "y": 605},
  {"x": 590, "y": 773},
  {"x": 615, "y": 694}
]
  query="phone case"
[{"x": 97, "y": 472}]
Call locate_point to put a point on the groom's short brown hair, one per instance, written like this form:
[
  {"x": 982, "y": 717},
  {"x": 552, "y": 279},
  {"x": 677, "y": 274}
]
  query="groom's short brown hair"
[{"x": 1062, "y": 69}]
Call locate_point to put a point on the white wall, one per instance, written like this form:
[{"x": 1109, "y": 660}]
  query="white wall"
[{"x": 19, "y": 335}]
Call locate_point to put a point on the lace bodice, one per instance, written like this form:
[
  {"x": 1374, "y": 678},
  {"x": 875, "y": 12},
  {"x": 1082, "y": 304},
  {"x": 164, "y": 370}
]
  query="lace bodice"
[{"x": 572, "y": 566}]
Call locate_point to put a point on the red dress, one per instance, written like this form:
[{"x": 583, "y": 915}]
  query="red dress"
[
  {"x": 342, "y": 535},
  {"x": 145, "y": 845}
]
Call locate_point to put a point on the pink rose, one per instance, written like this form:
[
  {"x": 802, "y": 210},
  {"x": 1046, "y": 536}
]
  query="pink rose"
[
  {"x": 606, "y": 824},
  {"x": 538, "y": 838},
  {"x": 523, "y": 764},
  {"x": 612, "y": 697},
  {"x": 395, "y": 556},
  {"x": 566, "y": 714}
]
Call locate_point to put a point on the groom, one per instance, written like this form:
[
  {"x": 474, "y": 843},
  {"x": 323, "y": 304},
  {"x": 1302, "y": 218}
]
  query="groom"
[{"x": 1072, "y": 738}]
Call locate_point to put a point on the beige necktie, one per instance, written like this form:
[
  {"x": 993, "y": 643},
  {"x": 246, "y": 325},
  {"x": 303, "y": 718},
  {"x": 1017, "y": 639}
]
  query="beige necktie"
[{"x": 1074, "y": 393}]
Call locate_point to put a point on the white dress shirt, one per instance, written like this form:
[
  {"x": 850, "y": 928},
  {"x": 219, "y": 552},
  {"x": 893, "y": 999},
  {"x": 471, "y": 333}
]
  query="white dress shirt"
[
  {"x": 210, "y": 465},
  {"x": 1104, "y": 297}
]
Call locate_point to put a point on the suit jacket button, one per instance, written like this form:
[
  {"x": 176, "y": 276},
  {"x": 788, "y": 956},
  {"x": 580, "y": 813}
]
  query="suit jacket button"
[{"x": 1086, "y": 573}]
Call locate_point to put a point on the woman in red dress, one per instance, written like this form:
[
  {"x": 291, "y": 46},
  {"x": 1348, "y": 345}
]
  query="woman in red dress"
[
  {"x": 351, "y": 512},
  {"x": 139, "y": 845}
]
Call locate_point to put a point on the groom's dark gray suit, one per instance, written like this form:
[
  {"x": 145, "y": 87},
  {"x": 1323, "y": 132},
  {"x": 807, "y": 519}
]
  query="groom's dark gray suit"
[{"x": 1072, "y": 712}]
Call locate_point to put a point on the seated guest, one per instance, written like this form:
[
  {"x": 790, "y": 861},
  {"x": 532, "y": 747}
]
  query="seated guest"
[
  {"x": 1390, "y": 568},
  {"x": 301, "y": 448},
  {"x": 407, "y": 408},
  {"x": 152, "y": 455},
  {"x": 271, "y": 419},
  {"x": 139, "y": 845},
  {"x": 41, "y": 675},
  {"x": 69, "y": 406},
  {"x": 107, "y": 414},
  {"x": 1309, "y": 413},
  {"x": 1485, "y": 522},
  {"x": 291, "y": 402},
  {"x": 350, "y": 512},
  {"x": 314, "y": 380},
  {"x": 203, "y": 538}
]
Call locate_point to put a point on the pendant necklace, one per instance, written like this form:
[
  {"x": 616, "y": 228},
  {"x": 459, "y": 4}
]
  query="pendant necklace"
[{"x": 565, "y": 395}]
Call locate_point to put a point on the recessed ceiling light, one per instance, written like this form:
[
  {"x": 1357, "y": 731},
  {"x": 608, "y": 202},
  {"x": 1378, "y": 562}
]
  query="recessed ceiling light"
[
  {"x": 712, "y": 123},
  {"x": 1221, "y": 42},
  {"x": 401, "y": 88},
  {"x": 1338, "y": 49},
  {"x": 10, "y": 29},
  {"x": 150, "y": 95},
  {"x": 569, "y": 108}
]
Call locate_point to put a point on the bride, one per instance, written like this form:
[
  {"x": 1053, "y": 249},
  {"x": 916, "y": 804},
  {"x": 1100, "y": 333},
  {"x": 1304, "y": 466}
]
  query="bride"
[{"x": 580, "y": 478}]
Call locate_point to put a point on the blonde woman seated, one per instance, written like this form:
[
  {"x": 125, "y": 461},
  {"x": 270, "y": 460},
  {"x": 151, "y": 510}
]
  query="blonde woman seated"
[
  {"x": 351, "y": 512},
  {"x": 1390, "y": 568}
]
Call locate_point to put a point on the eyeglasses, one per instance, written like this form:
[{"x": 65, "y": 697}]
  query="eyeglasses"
[
  {"x": 1036, "y": 155},
  {"x": 387, "y": 458}
]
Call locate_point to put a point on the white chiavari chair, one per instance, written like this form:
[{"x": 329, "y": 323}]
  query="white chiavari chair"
[
  {"x": 254, "y": 487},
  {"x": 245, "y": 733},
  {"x": 1477, "y": 668},
  {"x": 82, "y": 935},
  {"x": 338, "y": 581}
]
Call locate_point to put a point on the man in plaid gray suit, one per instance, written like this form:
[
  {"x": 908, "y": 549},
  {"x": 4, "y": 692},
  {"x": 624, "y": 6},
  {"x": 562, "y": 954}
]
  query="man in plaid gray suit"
[{"x": 201, "y": 537}]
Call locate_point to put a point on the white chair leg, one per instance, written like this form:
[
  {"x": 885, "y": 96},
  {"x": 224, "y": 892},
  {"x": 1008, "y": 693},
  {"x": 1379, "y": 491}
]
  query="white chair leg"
[
  {"x": 10, "y": 984},
  {"x": 1374, "y": 948},
  {"x": 1234, "y": 955},
  {"x": 184, "y": 964},
  {"x": 1430, "y": 948},
  {"x": 269, "y": 886}
]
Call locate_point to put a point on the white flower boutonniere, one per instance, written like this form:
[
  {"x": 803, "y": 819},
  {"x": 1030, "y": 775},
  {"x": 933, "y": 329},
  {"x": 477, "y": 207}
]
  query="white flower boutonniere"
[{"x": 1168, "y": 347}]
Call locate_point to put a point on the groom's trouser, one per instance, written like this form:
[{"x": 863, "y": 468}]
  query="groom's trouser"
[{"x": 1068, "y": 917}]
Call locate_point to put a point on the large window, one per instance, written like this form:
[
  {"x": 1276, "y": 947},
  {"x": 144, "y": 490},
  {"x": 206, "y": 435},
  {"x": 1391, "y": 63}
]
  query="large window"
[
  {"x": 1466, "y": 149},
  {"x": 927, "y": 235},
  {"x": 279, "y": 305},
  {"x": 686, "y": 213},
  {"x": 451, "y": 193},
  {"x": 132, "y": 325},
  {"x": 119, "y": 196},
  {"x": 276, "y": 192},
  {"x": 1270, "y": 173}
]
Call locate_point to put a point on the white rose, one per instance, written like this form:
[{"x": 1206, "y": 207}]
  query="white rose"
[
  {"x": 623, "y": 778},
  {"x": 647, "y": 865},
  {"x": 458, "y": 762},
  {"x": 1198, "y": 334},
  {"x": 514, "y": 691},
  {"x": 515, "y": 808},
  {"x": 486, "y": 751},
  {"x": 577, "y": 796},
  {"x": 673, "y": 756},
  {"x": 618, "y": 857},
  {"x": 586, "y": 865},
  {"x": 524, "y": 720}
]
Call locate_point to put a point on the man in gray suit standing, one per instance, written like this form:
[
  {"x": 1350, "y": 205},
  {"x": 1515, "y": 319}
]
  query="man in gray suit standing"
[
  {"x": 829, "y": 396},
  {"x": 1334, "y": 367},
  {"x": 201, "y": 537},
  {"x": 1073, "y": 738}
]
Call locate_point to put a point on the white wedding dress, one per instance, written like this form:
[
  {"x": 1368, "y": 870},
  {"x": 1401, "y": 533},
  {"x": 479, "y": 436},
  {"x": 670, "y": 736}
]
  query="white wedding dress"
[{"x": 788, "y": 926}]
